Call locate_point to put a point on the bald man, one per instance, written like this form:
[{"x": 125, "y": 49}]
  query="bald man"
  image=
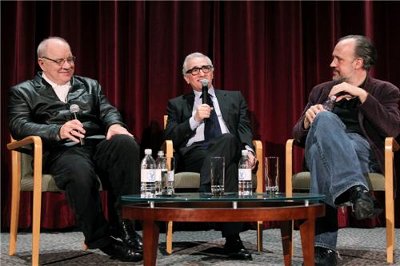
[{"x": 81, "y": 143}]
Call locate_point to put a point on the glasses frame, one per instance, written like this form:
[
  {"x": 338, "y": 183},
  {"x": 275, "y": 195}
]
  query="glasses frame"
[
  {"x": 61, "y": 61},
  {"x": 196, "y": 70}
]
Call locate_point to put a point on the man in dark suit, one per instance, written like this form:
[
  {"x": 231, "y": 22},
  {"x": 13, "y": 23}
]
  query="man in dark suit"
[{"x": 196, "y": 141}]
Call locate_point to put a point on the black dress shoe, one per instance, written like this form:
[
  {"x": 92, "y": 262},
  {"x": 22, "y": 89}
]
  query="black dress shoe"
[
  {"x": 129, "y": 236},
  {"x": 364, "y": 205},
  {"x": 324, "y": 257},
  {"x": 235, "y": 250},
  {"x": 120, "y": 251}
]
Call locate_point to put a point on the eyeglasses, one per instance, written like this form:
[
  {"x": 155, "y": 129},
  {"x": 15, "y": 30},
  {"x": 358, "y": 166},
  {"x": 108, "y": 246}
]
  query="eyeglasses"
[
  {"x": 196, "y": 70},
  {"x": 61, "y": 61}
]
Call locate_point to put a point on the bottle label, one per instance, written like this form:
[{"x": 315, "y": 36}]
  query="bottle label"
[
  {"x": 171, "y": 176},
  {"x": 158, "y": 175},
  {"x": 244, "y": 174},
  {"x": 148, "y": 175}
]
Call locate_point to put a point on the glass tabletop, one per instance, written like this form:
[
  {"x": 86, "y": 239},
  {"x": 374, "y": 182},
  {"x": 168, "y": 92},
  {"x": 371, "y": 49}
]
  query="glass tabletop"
[{"x": 230, "y": 196}]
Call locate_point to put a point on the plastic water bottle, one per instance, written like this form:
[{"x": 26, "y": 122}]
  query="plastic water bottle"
[
  {"x": 329, "y": 103},
  {"x": 161, "y": 173},
  {"x": 245, "y": 183},
  {"x": 147, "y": 175}
]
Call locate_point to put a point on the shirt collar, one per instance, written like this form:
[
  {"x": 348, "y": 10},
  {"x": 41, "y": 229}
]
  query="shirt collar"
[
  {"x": 54, "y": 85},
  {"x": 211, "y": 91}
]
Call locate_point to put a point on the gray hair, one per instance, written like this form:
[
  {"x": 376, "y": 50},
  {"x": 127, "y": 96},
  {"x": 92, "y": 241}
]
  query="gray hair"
[
  {"x": 191, "y": 56},
  {"x": 42, "y": 47},
  {"x": 364, "y": 49}
]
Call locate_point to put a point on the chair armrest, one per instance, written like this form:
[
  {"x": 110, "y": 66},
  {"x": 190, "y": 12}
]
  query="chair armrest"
[
  {"x": 15, "y": 146},
  {"x": 391, "y": 146},
  {"x": 289, "y": 166},
  {"x": 258, "y": 148}
]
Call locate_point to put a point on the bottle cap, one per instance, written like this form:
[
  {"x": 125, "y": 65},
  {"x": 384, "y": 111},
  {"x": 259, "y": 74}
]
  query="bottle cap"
[
  {"x": 245, "y": 152},
  {"x": 160, "y": 153},
  {"x": 147, "y": 151}
]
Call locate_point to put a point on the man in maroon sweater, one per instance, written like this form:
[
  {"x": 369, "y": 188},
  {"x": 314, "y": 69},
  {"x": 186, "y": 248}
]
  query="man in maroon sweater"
[{"x": 344, "y": 139}]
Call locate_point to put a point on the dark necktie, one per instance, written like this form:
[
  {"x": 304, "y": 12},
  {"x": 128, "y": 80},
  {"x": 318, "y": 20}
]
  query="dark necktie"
[{"x": 212, "y": 128}]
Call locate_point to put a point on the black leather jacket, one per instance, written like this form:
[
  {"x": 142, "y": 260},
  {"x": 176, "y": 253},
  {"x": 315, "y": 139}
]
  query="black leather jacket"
[{"x": 35, "y": 109}]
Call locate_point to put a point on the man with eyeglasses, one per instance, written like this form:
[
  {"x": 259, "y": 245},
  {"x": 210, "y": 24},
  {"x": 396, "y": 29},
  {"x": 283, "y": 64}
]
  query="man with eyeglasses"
[
  {"x": 196, "y": 143},
  {"x": 83, "y": 137}
]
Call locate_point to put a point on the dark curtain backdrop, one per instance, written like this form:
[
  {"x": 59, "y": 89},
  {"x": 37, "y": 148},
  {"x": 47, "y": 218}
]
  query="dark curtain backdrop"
[{"x": 273, "y": 52}]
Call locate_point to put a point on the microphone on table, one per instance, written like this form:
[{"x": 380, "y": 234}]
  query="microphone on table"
[
  {"x": 74, "y": 108},
  {"x": 204, "y": 89}
]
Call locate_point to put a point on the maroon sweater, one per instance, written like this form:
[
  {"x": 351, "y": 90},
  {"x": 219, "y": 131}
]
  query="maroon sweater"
[{"x": 379, "y": 115}]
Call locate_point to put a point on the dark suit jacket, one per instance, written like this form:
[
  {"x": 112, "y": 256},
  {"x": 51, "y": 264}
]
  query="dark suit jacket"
[{"x": 234, "y": 112}]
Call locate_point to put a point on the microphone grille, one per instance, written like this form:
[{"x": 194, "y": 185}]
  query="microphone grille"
[
  {"x": 74, "y": 108},
  {"x": 204, "y": 82}
]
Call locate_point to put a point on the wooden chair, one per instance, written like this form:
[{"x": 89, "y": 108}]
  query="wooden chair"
[
  {"x": 378, "y": 182},
  {"x": 28, "y": 178},
  {"x": 191, "y": 180}
]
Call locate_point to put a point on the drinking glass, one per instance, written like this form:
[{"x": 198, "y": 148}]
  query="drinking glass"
[
  {"x": 168, "y": 178},
  {"x": 217, "y": 176},
  {"x": 272, "y": 174}
]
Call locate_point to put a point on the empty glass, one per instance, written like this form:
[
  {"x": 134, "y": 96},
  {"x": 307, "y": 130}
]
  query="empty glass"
[
  {"x": 272, "y": 174},
  {"x": 168, "y": 178},
  {"x": 217, "y": 175}
]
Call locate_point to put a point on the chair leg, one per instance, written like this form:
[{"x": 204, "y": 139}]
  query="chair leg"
[
  {"x": 169, "y": 237},
  {"x": 260, "y": 226},
  {"x": 389, "y": 199},
  {"x": 37, "y": 200},
  {"x": 37, "y": 205},
  {"x": 15, "y": 201},
  {"x": 390, "y": 236}
]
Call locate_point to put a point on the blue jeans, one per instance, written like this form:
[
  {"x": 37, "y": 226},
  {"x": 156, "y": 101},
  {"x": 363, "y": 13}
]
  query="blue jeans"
[{"x": 337, "y": 161}]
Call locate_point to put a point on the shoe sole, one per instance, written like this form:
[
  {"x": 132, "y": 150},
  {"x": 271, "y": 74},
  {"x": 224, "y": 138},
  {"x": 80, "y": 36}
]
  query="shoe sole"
[{"x": 239, "y": 257}]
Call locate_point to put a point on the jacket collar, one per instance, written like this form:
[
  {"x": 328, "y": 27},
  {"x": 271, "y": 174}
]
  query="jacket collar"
[{"x": 42, "y": 85}]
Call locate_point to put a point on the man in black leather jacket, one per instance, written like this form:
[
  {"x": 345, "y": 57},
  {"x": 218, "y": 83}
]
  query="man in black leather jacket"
[{"x": 84, "y": 138}]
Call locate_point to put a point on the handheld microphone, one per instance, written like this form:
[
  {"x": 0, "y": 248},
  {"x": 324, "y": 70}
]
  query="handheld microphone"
[
  {"x": 204, "y": 89},
  {"x": 74, "y": 108}
]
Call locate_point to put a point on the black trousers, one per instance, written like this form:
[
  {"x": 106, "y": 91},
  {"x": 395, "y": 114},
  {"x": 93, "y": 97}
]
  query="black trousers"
[
  {"x": 116, "y": 162},
  {"x": 197, "y": 159}
]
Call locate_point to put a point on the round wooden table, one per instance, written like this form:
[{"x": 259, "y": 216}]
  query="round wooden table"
[{"x": 194, "y": 208}]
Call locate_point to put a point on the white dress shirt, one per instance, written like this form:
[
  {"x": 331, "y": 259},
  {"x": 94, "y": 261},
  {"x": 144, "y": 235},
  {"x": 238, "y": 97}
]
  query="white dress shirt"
[
  {"x": 199, "y": 126},
  {"x": 60, "y": 90}
]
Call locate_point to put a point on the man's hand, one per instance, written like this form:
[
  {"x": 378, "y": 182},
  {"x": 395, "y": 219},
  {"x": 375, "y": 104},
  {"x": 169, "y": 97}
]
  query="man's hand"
[
  {"x": 203, "y": 111},
  {"x": 72, "y": 130},
  {"x": 252, "y": 159},
  {"x": 347, "y": 91},
  {"x": 117, "y": 129},
  {"x": 311, "y": 113}
]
